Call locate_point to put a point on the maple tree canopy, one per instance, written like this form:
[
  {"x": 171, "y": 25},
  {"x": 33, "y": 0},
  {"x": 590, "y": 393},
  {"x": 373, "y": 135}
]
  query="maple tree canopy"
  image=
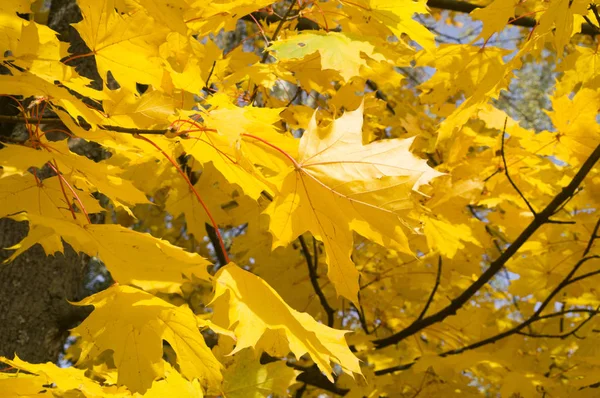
[{"x": 333, "y": 202}]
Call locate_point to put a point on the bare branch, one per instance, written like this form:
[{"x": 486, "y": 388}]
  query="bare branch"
[
  {"x": 593, "y": 237},
  {"x": 503, "y": 155},
  {"x": 525, "y": 22},
  {"x": 497, "y": 264},
  {"x": 314, "y": 280},
  {"x": 536, "y": 316}
]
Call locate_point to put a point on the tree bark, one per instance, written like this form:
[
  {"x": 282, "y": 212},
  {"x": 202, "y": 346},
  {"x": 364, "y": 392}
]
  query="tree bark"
[
  {"x": 35, "y": 289},
  {"x": 35, "y": 315}
]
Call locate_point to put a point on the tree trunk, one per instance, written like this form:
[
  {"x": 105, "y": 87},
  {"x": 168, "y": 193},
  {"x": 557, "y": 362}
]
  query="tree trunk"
[
  {"x": 35, "y": 289},
  {"x": 34, "y": 292}
]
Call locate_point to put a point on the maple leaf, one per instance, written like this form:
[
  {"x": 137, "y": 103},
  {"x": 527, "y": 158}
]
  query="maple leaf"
[
  {"x": 247, "y": 378},
  {"x": 25, "y": 193},
  {"x": 337, "y": 185},
  {"x": 560, "y": 14},
  {"x": 214, "y": 16},
  {"x": 174, "y": 384},
  {"x": 16, "y": 6},
  {"x": 259, "y": 318},
  {"x": 130, "y": 256},
  {"x": 29, "y": 85},
  {"x": 494, "y": 16},
  {"x": 133, "y": 325},
  {"x": 113, "y": 38},
  {"x": 85, "y": 173},
  {"x": 397, "y": 15},
  {"x": 16, "y": 159},
  {"x": 338, "y": 51},
  {"x": 47, "y": 374},
  {"x": 446, "y": 237}
]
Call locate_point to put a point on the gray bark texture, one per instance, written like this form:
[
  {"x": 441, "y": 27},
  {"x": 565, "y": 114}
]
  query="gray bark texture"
[
  {"x": 35, "y": 315},
  {"x": 35, "y": 289}
]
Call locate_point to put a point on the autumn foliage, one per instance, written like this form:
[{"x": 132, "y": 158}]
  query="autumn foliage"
[{"x": 294, "y": 213}]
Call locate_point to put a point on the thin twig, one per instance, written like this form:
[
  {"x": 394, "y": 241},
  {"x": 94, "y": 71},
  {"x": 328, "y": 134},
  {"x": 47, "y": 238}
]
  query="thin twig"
[
  {"x": 273, "y": 38},
  {"x": 435, "y": 287},
  {"x": 531, "y": 209},
  {"x": 593, "y": 237},
  {"x": 206, "y": 84}
]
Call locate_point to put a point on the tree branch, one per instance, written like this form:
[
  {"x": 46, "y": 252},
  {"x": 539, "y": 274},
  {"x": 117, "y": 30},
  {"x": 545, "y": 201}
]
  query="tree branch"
[
  {"x": 536, "y": 316},
  {"x": 525, "y": 22},
  {"x": 533, "y": 318},
  {"x": 497, "y": 264},
  {"x": 448, "y": 5},
  {"x": 214, "y": 239},
  {"x": 311, "y": 375},
  {"x": 503, "y": 155},
  {"x": 314, "y": 280},
  {"x": 48, "y": 120}
]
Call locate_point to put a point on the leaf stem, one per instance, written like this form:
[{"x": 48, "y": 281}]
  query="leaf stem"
[
  {"x": 62, "y": 178},
  {"x": 191, "y": 186},
  {"x": 284, "y": 153}
]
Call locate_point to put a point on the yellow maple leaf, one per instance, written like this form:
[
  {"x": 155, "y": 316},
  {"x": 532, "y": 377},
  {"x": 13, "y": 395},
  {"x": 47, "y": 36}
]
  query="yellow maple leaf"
[
  {"x": 495, "y": 16},
  {"x": 582, "y": 66},
  {"x": 446, "y": 237},
  {"x": 248, "y": 378},
  {"x": 29, "y": 85},
  {"x": 206, "y": 16},
  {"x": 124, "y": 108},
  {"x": 337, "y": 185},
  {"x": 181, "y": 200},
  {"x": 61, "y": 379},
  {"x": 559, "y": 19},
  {"x": 133, "y": 324},
  {"x": 17, "y": 159},
  {"x": 81, "y": 171},
  {"x": 130, "y": 256},
  {"x": 577, "y": 132},
  {"x": 397, "y": 15},
  {"x": 24, "y": 193},
  {"x": 258, "y": 316},
  {"x": 338, "y": 51},
  {"x": 34, "y": 48},
  {"x": 173, "y": 385},
  {"x": 15, "y": 6},
  {"x": 125, "y": 45}
]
